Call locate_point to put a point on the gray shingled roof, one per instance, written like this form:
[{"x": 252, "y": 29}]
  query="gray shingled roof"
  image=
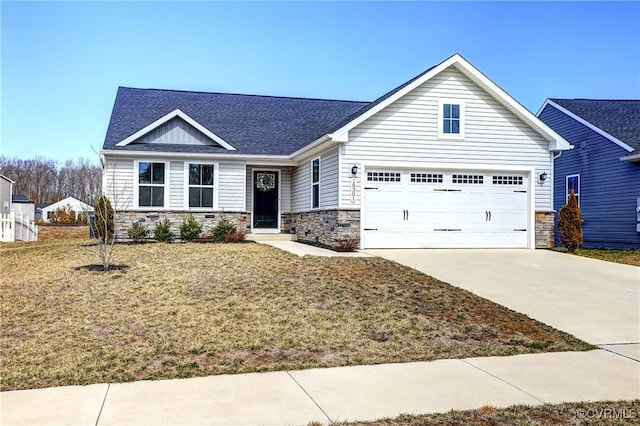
[
  {"x": 261, "y": 125},
  {"x": 17, "y": 198},
  {"x": 40, "y": 206},
  {"x": 619, "y": 118}
]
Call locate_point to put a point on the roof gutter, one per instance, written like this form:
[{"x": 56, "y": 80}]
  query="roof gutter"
[
  {"x": 310, "y": 149},
  {"x": 634, "y": 158},
  {"x": 279, "y": 160}
]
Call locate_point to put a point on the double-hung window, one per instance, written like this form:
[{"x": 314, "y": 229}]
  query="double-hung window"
[
  {"x": 450, "y": 119},
  {"x": 151, "y": 184},
  {"x": 315, "y": 183},
  {"x": 201, "y": 185},
  {"x": 573, "y": 184}
]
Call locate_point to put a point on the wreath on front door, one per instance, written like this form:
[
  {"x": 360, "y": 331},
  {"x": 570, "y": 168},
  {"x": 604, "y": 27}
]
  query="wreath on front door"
[{"x": 266, "y": 181}]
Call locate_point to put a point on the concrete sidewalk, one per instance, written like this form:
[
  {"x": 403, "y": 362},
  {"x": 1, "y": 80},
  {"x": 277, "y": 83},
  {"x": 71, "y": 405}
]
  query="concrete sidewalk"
[
  {"x": 333, "y": 394},
  {"x": 301, "y": 249}
]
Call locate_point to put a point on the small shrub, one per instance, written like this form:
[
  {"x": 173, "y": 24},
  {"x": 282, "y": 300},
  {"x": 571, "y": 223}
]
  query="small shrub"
[
  {"x": 220, "y": 231},
  {"x": 234, "y": 237},
  {"x": 570, "y": 224},
  {"x": 138, "y": 232},
  {"x": 346, "y": 244},
  {"x": 104, "y": 224},
  {"x": 162, "y": 231},
  {"x": 190, "y": 228},
  {"x": 67, "y": 216},
  {"x": 82, "y": 218}
]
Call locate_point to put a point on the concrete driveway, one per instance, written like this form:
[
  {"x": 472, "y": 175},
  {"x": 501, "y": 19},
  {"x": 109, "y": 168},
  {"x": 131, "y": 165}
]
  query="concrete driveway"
[{"x": 597, "y": 301}]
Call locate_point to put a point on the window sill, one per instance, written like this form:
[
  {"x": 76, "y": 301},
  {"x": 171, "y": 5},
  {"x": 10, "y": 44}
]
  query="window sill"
[{"x": 451, "y": 137}]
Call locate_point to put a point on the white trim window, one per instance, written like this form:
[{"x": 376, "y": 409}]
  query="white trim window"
[
  {"x": 151, "y": 183},
  {"x": 315, "y": 183},
  {"x": 451, "y": 119},
  {"x": 573, "y": 184},
  {"x": 201, "y": 184}
]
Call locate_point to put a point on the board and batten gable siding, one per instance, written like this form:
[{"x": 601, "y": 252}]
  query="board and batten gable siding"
[
  {"x": 285, "y": 186},
  {"x": 231, "y": 186},
  {"x": 301, "y": 182},
  {"x": 609, "y": 187},
  {"x": 117, "y": 183},
  {"x": 176, "y": 131},
  {"x": 407, "y": 132}
]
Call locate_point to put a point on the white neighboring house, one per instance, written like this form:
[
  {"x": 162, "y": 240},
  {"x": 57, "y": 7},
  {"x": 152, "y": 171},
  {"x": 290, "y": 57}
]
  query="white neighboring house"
[
  {"x": 23, "y": 206},
  {"x": 76, "y": 205},
  {"x": 16, "y": 217}
]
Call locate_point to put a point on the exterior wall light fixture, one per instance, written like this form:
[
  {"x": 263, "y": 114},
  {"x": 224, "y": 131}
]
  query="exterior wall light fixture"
[{"x": 543, "y": 177}]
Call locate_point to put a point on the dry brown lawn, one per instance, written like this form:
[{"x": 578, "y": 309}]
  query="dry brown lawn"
[
  {"x": 50, "y": 232},
  {"x": 603, "y": 413},
  {"x": 182, "y": 310},
  {"x": 629, "y": 257}
]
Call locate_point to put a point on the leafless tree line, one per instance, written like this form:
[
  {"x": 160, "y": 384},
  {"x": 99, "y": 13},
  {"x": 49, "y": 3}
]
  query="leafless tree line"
[{"x": 44, "y": 180}]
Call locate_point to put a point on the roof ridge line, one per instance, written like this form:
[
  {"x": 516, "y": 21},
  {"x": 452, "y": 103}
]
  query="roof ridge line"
[{"x": 245, "y": 94}]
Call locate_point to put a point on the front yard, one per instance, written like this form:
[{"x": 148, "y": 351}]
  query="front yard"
[{"x": 182, "y": 310}]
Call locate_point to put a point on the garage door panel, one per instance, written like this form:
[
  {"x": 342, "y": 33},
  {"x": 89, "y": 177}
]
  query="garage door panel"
[
  {"x": 422, "y": 209},
  {"x": 386, "y": 239}
]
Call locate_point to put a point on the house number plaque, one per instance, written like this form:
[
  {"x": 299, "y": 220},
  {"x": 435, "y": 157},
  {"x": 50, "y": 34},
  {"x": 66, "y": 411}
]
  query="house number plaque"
[{"x": 353, "y": 190}]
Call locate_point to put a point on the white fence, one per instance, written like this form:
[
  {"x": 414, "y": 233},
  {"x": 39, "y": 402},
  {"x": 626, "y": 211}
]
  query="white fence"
[{"x": 19, "y": 228}]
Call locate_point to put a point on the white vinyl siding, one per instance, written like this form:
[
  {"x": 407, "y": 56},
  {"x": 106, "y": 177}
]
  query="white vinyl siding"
[
  {"x": 329, "y": 179},
  {"x": 229, "y": 184},
  {"x": 285, "y": 190},
  {"x": 118, "y": 185},
  {"x": 300, "y": 187},
  {"x": 176, "y": 185},
  {"x": 301, "y": 183},
  {"x": 407, "y": 132}
]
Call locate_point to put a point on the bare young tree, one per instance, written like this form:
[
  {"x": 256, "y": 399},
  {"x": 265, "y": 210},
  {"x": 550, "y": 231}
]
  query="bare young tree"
[{"x": 106, "y": 222}]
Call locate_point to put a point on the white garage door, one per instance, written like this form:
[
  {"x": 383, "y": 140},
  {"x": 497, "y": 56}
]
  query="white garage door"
[{"x": 445, "y": 209}]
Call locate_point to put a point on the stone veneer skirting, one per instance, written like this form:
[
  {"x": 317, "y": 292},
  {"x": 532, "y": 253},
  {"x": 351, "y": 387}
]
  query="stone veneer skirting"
[
  {"x": 324, "y": 227},
  {"x": 544, "y": 229},
  {"x": 124, "y": 220}
]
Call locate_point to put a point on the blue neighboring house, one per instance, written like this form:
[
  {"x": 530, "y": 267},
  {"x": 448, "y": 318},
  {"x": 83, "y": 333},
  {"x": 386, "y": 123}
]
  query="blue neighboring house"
[{"x": 603, "y": 168}]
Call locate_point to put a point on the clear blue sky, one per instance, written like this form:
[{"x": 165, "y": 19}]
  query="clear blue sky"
[{"x": 63, "y": 61}]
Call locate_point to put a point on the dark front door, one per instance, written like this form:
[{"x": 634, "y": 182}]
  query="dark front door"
[{"x": 265, "y": 199}]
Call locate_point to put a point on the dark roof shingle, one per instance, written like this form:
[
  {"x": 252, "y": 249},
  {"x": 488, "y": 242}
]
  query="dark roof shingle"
[
  {"x": 261, "y": 125},
  {"x": 619, "y": 118}
]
